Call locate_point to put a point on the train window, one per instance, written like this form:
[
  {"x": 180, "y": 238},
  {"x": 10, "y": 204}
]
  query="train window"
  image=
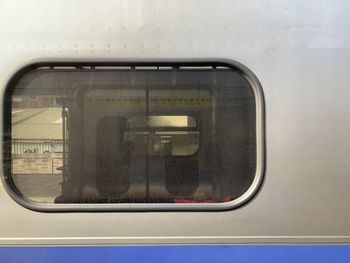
[{"x": 133, "y": 136}]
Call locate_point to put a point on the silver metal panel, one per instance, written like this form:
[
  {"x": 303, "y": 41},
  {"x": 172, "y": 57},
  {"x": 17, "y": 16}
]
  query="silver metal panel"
[{"x": 299, "y": 50}]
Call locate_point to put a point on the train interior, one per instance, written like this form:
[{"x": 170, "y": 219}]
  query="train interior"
[{"x": 138, "y": 135}]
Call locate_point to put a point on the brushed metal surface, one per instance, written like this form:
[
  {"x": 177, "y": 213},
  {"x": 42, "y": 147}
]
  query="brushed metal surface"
[{"x": 299, "y": 50}]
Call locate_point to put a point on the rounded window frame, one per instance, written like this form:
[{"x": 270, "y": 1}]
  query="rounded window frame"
[{"x": 248, "y": 195}]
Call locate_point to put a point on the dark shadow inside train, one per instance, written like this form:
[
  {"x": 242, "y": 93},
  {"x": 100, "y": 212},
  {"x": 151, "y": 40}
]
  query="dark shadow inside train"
[{"x": 154, "y": 136}]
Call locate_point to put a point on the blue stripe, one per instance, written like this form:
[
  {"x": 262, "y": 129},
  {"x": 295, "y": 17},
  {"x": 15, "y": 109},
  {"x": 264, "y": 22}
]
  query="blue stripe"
[{"x": 179, "y": 254}]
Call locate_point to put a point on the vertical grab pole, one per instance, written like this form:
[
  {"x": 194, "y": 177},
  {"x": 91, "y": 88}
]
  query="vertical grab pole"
[{"x": 148, "y": 145}]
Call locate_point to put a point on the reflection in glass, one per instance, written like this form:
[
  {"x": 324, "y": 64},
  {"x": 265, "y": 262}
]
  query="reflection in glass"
[{"x": 146, "y": 136}]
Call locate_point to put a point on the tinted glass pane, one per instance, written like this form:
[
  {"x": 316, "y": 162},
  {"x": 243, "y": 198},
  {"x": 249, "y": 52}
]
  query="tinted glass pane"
[{"x": 133, "y": 136}]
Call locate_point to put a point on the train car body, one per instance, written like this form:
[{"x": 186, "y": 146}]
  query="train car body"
[{"x": 169, "y": 123}]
